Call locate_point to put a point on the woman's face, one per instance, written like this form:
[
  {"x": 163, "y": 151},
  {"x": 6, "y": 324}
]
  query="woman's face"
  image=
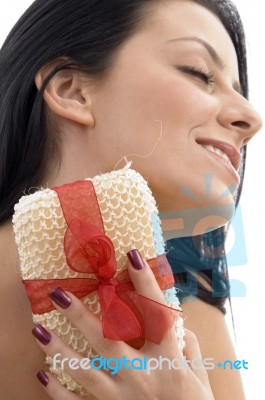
[{"x": 177, "y": 75}]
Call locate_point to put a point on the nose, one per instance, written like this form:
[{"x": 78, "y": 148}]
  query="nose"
[{"x": 239, "y": 116}]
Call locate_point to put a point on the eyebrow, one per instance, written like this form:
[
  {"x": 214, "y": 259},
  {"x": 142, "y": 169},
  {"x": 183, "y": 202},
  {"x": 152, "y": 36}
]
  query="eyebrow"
[{"x": 215, "y": 57}]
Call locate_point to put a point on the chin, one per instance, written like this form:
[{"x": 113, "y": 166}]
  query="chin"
[
  {"x": 211, "y": 219},
  {"x": 210, "y": 213}
]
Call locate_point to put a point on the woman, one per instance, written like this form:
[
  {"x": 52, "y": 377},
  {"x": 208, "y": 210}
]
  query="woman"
[{"x": 108, "y": 72}]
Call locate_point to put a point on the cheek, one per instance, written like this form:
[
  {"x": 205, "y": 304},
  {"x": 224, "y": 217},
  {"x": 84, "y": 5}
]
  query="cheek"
[
  {"x": 178, "y": 103},
  {"x": 186, "y": 104},
  {"x": 133, "y": 109}
]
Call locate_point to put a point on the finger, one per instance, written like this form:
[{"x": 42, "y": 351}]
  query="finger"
[
  {"x": 66, "y": 358},
  {"x": 143, "y": 278},
  {"x": 88, "y": 324},
  {"x": 193, "y": 354},
  {"x": 55, "y": 390},
  {"x": 146, "y": 285}
]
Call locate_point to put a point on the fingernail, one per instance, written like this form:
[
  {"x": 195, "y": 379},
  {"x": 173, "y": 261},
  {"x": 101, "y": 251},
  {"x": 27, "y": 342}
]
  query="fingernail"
[
  {"x": 43, "y": 378},
  {"x": 61, "y": 298},
  {"x": 135, "y": 259},
  {"x": 41, "y": 334}
]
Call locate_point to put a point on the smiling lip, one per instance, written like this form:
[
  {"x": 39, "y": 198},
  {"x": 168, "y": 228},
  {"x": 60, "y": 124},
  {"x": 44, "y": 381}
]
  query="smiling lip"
[{"x": 228, "y": 149}]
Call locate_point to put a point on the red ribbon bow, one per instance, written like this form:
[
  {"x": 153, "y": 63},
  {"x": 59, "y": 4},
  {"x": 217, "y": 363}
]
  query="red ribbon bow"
[{"x": 126, "y": 315}]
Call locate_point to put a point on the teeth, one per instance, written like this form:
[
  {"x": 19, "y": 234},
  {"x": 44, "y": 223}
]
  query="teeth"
[
  {"x": 217, "y": 151},
  {"x": 209, "y": 147},
  {"x": 221, "y": 153}
]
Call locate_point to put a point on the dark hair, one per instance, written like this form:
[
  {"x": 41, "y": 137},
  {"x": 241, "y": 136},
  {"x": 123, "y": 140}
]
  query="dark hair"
[
  {"x": 199, "y": 259},
  {"x": 87, "y": 35}
]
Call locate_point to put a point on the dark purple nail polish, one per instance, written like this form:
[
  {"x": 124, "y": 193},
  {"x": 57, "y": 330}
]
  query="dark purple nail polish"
[
  {"x": 43, "y": 378},
  {"x": 41, "y": 334},
  {"x": 135, "y": 259},
  {"x": 61, "y": 298}
]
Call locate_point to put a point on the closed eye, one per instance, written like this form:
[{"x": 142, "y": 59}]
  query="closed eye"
[{"x": 206, "y": 76}]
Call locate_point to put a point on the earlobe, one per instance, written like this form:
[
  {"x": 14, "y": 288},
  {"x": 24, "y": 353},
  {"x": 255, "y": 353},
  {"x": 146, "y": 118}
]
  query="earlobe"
[{"x": 67, "y": 95}]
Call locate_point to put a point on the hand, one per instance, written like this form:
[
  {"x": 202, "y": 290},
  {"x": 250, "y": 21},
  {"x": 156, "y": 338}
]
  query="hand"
[{"x": 160, "y": 384}]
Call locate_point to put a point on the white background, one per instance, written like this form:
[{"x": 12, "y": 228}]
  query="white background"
[{"x": 248, "y": 311}]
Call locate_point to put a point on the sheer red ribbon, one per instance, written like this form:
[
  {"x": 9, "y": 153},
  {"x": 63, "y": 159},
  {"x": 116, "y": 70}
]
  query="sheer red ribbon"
[{"x": 126, "y": 315}]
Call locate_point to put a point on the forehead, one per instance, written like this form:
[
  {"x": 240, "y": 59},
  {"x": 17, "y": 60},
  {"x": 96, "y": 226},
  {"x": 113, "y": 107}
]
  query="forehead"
[{"x": 184, "y": 18}]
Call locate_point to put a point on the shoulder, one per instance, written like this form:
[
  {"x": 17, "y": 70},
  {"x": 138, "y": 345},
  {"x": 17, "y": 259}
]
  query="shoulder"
[
  {"x": 8, "y": 248},
  {"x": 209, "y": 325},
  {"x": 6, "y": 231},
  {"x": 14, "y": 305},
  {"x": 199, "y": 315},
  {"x": 9, "y": 265},
  {"x": 16, "y": 323}
]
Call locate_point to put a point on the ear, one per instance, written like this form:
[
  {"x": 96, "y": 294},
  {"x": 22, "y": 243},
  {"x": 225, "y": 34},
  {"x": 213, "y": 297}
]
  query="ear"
[{"x": 67, "y": 94}]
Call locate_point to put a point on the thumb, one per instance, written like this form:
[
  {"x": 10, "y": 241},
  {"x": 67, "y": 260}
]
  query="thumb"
[
  {"x": 143, "y": 278},
  {"x": 192, "y": 353}
]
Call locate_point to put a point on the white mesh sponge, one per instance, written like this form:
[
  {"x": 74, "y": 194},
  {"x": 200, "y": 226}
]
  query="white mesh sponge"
[{"x": 128, "y": 216}]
